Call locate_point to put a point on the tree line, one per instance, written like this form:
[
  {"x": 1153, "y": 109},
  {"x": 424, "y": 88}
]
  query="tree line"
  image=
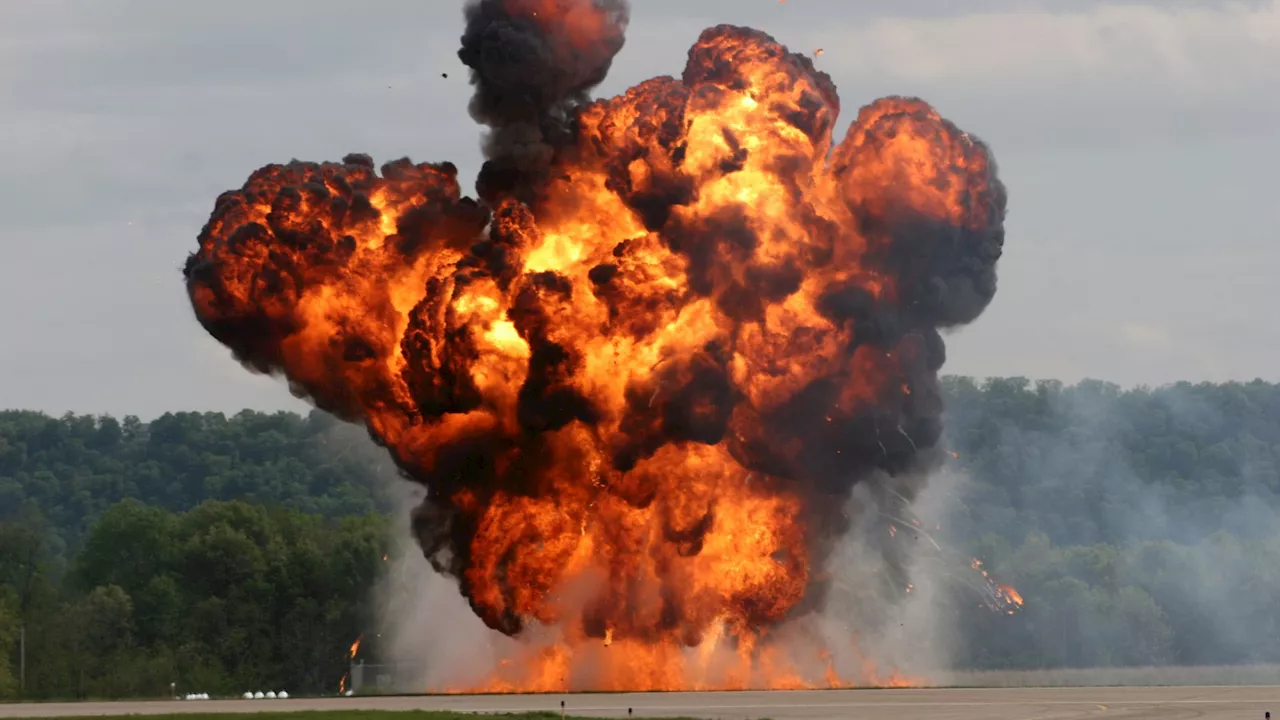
[
  {"x": 222, "y": 552},
  {"x": 223, "y": 598}
]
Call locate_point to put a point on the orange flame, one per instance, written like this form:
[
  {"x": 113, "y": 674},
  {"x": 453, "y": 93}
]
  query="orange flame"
[
  {"x": 630, "y": 393},
  {"x": 552, "y": 668},
  {"x": 1001, "y": 597},
  {"x": 1012, "y": 595}
]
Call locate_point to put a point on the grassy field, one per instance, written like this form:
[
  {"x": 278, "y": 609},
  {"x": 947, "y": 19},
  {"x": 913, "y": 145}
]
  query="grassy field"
[{"x": 1113, "y": 677}]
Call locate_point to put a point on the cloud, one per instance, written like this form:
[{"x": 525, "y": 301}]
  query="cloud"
[
  {"x": 1097, "y": 75},
  {"x": 1224, "y": 47},
  {"x": 1128, "y": 134},
  {"x": 1144, "y": 336}
]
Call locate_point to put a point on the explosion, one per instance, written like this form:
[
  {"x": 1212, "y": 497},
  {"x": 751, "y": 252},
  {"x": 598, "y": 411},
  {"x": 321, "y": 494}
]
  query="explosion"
[{"x": 640, "y": 375}]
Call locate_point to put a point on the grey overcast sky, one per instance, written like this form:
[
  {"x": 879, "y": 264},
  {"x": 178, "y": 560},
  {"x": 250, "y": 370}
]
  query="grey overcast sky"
[{"x": 1139, "y": 142}]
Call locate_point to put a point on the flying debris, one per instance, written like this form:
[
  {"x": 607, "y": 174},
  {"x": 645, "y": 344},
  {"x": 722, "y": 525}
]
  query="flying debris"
[
  {"x": 651, "y": 359},
  {"x": 997, "y": 597}
]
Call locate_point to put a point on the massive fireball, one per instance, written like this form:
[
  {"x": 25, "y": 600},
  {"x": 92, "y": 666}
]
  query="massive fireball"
[{"x": 641, "y": 374}]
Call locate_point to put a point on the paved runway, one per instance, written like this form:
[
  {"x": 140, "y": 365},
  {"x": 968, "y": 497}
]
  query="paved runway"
[{"x": 1129, "y": 703}]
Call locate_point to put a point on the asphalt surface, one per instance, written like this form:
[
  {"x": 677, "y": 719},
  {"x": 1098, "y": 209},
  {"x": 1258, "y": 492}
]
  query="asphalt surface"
[{"x": 1166, "y": 703}]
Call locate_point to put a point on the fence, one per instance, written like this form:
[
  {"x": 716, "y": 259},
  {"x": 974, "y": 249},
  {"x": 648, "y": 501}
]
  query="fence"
[{"x": 393, "y": 677}]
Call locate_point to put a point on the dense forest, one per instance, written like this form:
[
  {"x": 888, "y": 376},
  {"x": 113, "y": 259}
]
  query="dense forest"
[{"x": 228, "y": 552}]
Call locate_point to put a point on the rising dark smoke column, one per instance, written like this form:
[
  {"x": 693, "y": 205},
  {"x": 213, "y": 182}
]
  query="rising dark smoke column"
[
  {"x": 533, "y": 63},
  {"x": 642, "y": 375}
]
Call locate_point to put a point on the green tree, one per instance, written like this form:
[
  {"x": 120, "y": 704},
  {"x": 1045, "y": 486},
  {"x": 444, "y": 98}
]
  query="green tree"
[
  {"x": 8, "y": 642},
  {"x": 101, "y": 624}
]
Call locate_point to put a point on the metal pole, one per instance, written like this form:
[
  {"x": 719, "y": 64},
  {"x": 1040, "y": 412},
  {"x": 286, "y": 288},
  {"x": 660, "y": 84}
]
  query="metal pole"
[{"x": 22, "y": 659}]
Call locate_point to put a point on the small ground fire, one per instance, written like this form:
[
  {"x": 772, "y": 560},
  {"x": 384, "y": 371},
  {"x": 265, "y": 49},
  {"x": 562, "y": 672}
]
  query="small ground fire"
[{"x": 641, "y": 373}]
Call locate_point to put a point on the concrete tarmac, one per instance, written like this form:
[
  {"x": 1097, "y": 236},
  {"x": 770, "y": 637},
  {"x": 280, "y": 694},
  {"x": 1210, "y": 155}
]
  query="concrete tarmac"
[{"x": 1128, "y": 703}]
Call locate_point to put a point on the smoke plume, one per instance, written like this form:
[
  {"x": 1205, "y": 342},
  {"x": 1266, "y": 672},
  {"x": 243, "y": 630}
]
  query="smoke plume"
[
  {"x": 533, "y": 63},
  {"x": 641, "y": 376}
]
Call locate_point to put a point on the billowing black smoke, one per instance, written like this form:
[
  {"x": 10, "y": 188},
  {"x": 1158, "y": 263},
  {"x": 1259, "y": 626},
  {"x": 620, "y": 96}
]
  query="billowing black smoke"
[
  {"x": 295, "y": 273},
  {"x": 532, "y": 63}
]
